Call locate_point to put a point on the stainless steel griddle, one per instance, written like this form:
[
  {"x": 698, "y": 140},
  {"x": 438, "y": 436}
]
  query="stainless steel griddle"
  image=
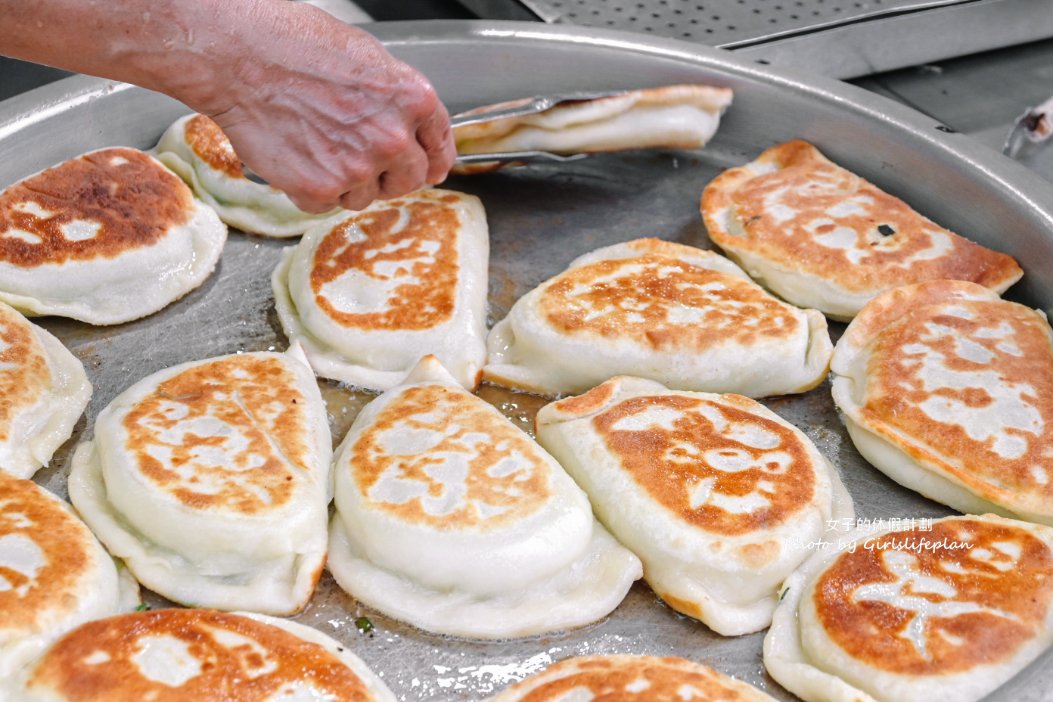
[{"x": 541, "y": 218}]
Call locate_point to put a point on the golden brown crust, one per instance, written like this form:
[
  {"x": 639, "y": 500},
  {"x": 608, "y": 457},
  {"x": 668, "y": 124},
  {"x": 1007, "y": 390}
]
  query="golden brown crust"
[
  {"x": 936, "y": 371},
  {"x": 421, "y": 235},
  {"x": 987, "y": 604},
  {"x": 588, "y": 402},
  {"x": 676, "y": 464},
  {"x": 891, "y": 306},
  {"x": 462, "y": 427},
  {"x": 133, "y": 199},
  {"x": 688, "y": 607},
  {"x": 207, "y": 140},
  {"x": 785, "y": 211},
  {"x": 26, "y": 513},
  {"x": 24, "y": 372},
  {"x": 639, "y": 298},
  {"x": 239, "y": 659},
  {"x": 614, "y": 678},
  {"x": 255, "y": 396}
]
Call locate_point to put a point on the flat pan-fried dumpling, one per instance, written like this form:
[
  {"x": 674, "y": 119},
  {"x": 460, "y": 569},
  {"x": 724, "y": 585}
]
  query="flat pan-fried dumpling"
[
  {"x": 820, "y": 236},
  {"x": 688, "y": 318},
  {"x": 54, "y": 575},
  {"x": 630, "y": 679},
  {"x": 451, "y": 519},
  {"x": 193, "y": 655},
  {"x": 672, "y": 116},
  {"x": 946, "y": 615},
  {"x": 370, "y": 293},
  {"x": 200, "y": 153},
  {"x": 946, "y": 389},
  {"x": 105, "y": 238},
  {"x": 717, "y": 495},
  {"x": 44, "y": 390},
  {"x": 210, "y": 479}
]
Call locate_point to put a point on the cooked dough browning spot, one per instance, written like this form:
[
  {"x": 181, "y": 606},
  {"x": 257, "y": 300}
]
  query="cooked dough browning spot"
[
  {"x": 435, "y": 457},
  {"x": 903, "y": 606},
  {"x": 716, "y": 467},
  {"x": 99, "y": 205}
]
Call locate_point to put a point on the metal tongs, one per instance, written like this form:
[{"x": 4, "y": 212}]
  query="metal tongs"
[{"x": 529, "y": 106}]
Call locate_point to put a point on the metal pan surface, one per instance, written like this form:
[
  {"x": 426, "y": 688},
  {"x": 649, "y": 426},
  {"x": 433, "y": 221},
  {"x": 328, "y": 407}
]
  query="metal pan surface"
[{"x": 541, "y": 218}]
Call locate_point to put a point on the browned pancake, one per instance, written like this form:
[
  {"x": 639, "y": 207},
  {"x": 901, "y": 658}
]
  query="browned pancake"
[
  {"x": 47, "y": 557},
  {"x": 211, "y": 145},
  {"x": 194, "y": 655},
  {"x": 625, "y": 678},
  {"x": 24, "y": 372},
  {"x": 708, "y": 97},
  {"x": 791, "y": 199},
  {"x": 504, "y": 478},
  {"x": 966, "y": 386},
  {"x": 671, "y": 116},
  {"x": 899, "y": 605},
  {"x": 131, "y": 199},
  {"x": 665, "y": 303},
  {"x": 188, "y": 419},
  {"x": 410, "y": 244},
  {"x": 675, "y": 459}
]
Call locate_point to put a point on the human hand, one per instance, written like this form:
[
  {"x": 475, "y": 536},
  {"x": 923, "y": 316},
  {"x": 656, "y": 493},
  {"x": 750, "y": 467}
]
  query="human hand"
[
  {"x": 315, "y": 106},
  {"x": 320, "y": 110}
]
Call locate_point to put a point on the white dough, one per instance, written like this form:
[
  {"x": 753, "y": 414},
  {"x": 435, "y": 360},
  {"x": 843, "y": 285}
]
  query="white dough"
[
  {"x": 451, "y": 519},
  {"x": 210, "y": 480},
  {"x": 195, "y": 149},
  {"x": 719, "y": 497},
  {"x": 673, "y": 116},
  {"x": 54, "y": 575},
  {"x": 819, "y": 236},
  {"x": 111, "y": 260},
  {"x": 45, "y": 391},
  {"x": 368, "y": 294},
  {"x": 944, "y": 388},
  {"x": 688, "y": 318},
  {"x": 910, "y": 632}
]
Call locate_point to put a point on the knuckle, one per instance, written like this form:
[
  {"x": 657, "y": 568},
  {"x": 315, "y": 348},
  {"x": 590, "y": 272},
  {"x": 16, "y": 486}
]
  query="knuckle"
[
  {"x": 356, "y": 174},
  {"x": 411, "y": 175},
  {"x": 321, "y": 192},
  {"x": 423, "y": 100},
  {"x": 394, "y": 187},
  {"x": 393, "y": 144},
  {"x": 310, "y": 206},
  {"x": 427, "y": 97},
  {"x": 355, "y": 201}
]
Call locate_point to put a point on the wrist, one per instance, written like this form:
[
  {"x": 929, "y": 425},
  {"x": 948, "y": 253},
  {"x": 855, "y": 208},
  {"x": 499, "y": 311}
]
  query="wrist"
[{"x": 194, "y": 50}]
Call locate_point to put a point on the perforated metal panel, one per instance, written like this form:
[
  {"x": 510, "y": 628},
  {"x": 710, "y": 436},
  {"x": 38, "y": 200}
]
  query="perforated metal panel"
[
  {"x": 837, "y": 38},
  {"x": 725, "y": 23}
]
